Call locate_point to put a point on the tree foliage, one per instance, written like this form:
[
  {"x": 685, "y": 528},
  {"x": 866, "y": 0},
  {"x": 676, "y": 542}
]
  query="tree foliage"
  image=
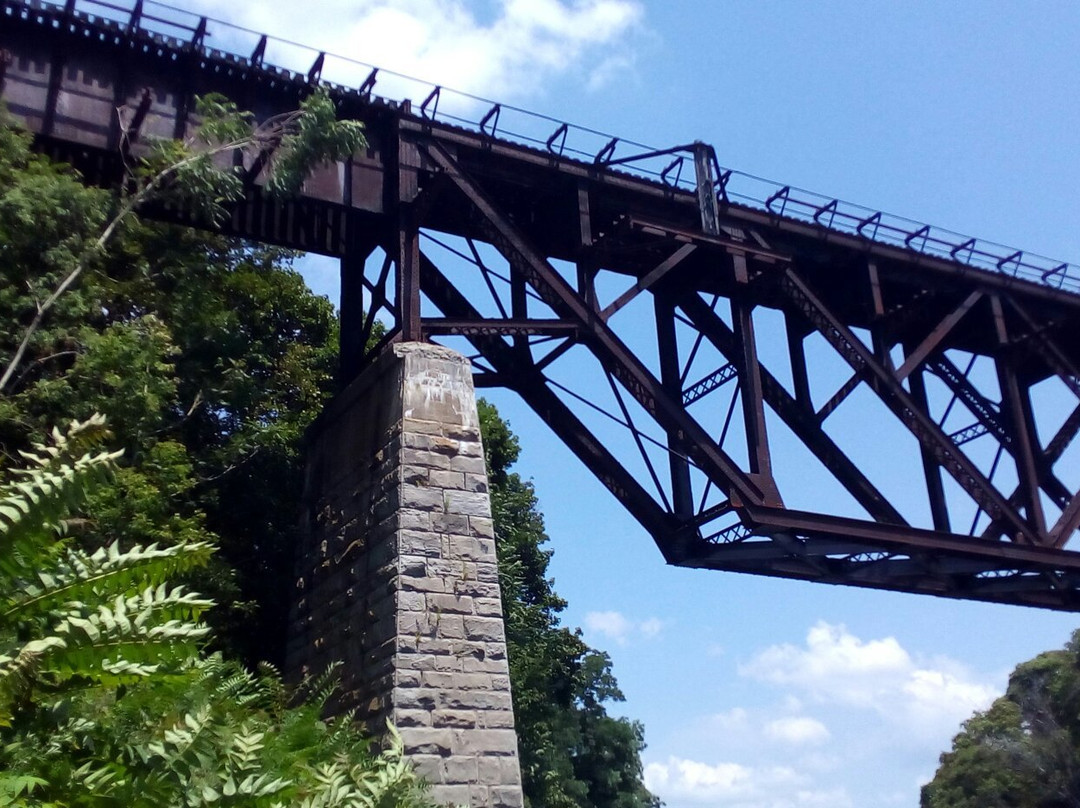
[
  {"x": 573, "y": 754},
  {"x": 209, "y": 357},
  {"x": 103, "y": 698},
  {"x": 1024, "y": 751}
]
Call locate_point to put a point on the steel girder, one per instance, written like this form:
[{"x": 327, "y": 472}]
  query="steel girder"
[
  {"x": 709, "y": 362},
  {"x": 713, "y": 502}
]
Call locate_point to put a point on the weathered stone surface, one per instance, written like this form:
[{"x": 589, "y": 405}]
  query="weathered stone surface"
[{"x": 397, "y": 576}]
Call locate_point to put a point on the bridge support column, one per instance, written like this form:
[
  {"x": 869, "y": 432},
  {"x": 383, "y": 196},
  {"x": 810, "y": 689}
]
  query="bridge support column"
[{"x": 397, "y": 576}]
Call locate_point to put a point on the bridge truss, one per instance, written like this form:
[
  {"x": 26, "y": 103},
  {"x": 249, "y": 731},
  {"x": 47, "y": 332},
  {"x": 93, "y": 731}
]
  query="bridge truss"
[{"x": 793, "y": 387}]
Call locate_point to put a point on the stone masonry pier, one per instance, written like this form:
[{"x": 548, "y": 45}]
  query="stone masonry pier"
[{"x": 397, "y": 575}]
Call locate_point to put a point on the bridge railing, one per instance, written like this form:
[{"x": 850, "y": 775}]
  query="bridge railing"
[{"x": 296, "y": 62}]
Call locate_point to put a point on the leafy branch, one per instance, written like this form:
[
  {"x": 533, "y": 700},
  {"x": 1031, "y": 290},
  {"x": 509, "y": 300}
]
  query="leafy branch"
[{"x": 193, "y": 172}]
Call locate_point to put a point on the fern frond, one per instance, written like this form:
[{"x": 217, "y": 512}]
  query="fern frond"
[
  {"x": 33, "y": 505},
  {"x": 81, "y": 577},
  {"x": 80, "y": 438},
  {"x": 317, "y": 690},
  {"x": 129, "y": 639},
  {"x": 18, "y": 673}
]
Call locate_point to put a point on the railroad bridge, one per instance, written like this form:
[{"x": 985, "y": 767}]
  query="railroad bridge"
[{"x": 698, "y": 312}]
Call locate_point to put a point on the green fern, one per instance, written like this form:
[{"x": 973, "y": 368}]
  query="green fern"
[
  {"x": 106, "y": 698},
  {"x": 105, "y": 617}
]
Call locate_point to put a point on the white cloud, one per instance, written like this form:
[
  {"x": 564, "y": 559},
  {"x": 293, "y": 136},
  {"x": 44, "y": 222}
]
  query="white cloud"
[
  {"x": 616, "y": 626},
  {"x": 651, "y": 627},
  {"x": 836, "y": 667},
  {"x": 613, "y": 625},
  {"x": 797, "y": 730},
  {"x": 507, "y": 54},
  {"x": 737, "y": 786}
]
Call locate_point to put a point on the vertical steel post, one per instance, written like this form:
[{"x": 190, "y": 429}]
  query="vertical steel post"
[
  {"x": 681, "y": 493},
  {"x": 935, "y": 486},
  {"x": 706, "y": 193},
  {"x": 1019, "y": 423}
]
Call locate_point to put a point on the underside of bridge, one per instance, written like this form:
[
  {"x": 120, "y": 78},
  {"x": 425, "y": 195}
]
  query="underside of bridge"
[{"x": 786, "y": 388}]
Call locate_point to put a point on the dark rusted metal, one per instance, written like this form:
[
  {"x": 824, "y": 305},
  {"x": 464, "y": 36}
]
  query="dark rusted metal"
[{"x": 535, "y": 239}]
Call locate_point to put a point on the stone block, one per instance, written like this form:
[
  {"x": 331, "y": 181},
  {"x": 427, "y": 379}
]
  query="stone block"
[
  {"x": 438, "y": 478},
  {"x": 485, "y": 741},
  {"x": 412, "y": 602},
  {"x": 455, "y": 719},
  {"x": 415, "y": 698},
  {"x": 451, "y": 604},
  {"x": 487, "y": 607},
  {"x": 428, "y": 766},
  {"x": 472, "y": 700},
  {"x": 482, "y": 527},
  {"x": 477, "y": 483},
  {"x": 409, "y": 519},
  {"x": 468, "y": 503},
  {"x": 469, "y": 465},
  {"x": 495, "y": 771},
  {"x": 493, "y": 719},
  {"x": 427, "y": 459},
  {"x": 505, "y": 796},
  {"x": 456, "y": 681},
  {"x": 459, "y": 770},
  {"x": 472, "y": 664},
  {"x": 470, "y": 448},
  {"x": 422, "y": 498},
  {"x": 450, "y": 523},
  {"x": 415, "y": 543},
  {"x": 485, "y": 629},
  {"x": 472, "y": 549},
  {"x": 412, "y": 718},
  {"x": 429, "y": 741},
  {"x": 454, "y": 794}
]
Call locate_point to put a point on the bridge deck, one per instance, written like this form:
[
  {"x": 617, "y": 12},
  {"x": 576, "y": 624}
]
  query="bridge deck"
[{"x": 930, "y": 326}]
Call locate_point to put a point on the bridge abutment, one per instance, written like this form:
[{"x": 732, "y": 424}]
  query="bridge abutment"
[{"x": 397, "y": 574}]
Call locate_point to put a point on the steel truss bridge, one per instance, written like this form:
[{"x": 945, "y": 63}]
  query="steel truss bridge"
[{"x": 699, "y": 338}]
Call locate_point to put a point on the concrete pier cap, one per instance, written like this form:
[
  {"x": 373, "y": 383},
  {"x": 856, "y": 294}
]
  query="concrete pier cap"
[{"x": 397, "y": 576}]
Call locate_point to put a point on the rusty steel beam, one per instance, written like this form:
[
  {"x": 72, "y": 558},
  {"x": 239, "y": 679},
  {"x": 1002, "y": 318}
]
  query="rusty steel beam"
[
  {"x": 882, "y": 381},
  {"x": 798, "y": 418},
  {"x": 530, "y": 385},
  {"x": 680, "y": 244},
  {"x": 615, "y": 356}
]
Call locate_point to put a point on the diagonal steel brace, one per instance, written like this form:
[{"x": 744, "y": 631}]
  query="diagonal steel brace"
[{"x": 893, "y": 395}]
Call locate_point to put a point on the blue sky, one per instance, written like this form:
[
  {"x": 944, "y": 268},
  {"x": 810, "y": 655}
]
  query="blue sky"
[{"x": 760, "y": 693}]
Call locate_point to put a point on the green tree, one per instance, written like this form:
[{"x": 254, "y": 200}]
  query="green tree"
[
  {"x": 1024, "y": 751},
  {"x": 573, "y": 754},
  {"x": 210, "y": 358},
  {"x": 103, "y": 699}
]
